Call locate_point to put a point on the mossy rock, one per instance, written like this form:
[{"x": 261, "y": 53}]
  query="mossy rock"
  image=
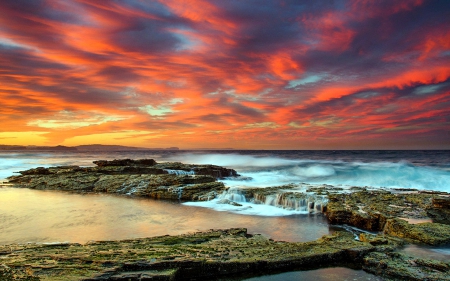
[
  {"x": 202, "y": 255},
  {"x": 398, "y": 266},
  {"x": 428, "y": 233}
]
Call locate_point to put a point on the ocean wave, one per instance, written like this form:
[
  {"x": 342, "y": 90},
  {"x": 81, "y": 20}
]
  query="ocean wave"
[
  {"x": 234, "y": 160},
  {"x": 379, "y": 174},
  {"x": 391, "y": 169}
]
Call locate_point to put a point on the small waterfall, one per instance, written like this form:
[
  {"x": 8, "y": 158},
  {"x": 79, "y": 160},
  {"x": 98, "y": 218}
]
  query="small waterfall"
[
  {"x": 180, "y": 172},
  {"x": 300, "y": 202},
  {"x": 233, "y": 194},
  {"x": 306, "y": 202},
  {"x": 176, "y": 190},
  {"x": 131, "y": 188}
]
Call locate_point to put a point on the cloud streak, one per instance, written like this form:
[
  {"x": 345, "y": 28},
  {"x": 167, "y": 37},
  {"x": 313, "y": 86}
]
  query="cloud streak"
[{"x": 245, "y": 74}]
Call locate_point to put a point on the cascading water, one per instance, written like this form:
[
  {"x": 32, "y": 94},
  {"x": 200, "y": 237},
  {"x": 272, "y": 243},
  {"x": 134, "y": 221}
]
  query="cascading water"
[
  {"x": 177, "y": 190},
  {"x": 287, "y": 200},
  {"x": 291, "y": 201},
  {"x": 233, "y": 194},
  {"x": 180, "y": 172}
]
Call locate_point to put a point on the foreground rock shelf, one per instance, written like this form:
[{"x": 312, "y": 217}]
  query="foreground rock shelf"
[{"x": 205, "y": 256}]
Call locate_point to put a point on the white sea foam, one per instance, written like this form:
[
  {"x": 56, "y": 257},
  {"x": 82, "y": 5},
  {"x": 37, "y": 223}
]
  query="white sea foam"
[
  {"x": 263, "y": 169},
  {"x": 233, "y": 160},
  {"x": 9, "y": 166},
  {"x": 376, "y": 174},
  {"x": 247, "y": 208},
  {"x": 445, "y": 251},
  {"x": 180, "y": 172},
  {"x": 313, "y": 171}
]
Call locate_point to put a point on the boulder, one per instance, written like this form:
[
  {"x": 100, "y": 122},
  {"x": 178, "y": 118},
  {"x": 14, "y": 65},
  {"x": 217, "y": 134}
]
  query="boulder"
[
  {"x": 206, "y": 170},
  {"x": 370, "y": 209},
  {"x": 441, "y": 202},
  {"x": 125, "y": 162},
  {"x": 398, "y": 266},
  {"x": 439, "y": 211},
  {"x": 428, "y": 233}
]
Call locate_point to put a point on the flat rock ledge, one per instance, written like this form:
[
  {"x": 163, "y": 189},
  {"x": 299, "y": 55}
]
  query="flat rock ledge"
[
  {"x": 416, "y": 216},
  {"x": 144, "y": 177},
  {"x": 413, "y": 215},
  {"x": 206, "y": 256}
]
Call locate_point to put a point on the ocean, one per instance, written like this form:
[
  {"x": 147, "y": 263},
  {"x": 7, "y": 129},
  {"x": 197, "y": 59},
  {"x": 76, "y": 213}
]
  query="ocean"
[
  {"x": 53, "y": 216},
  {"x": 420, "y": 169}
]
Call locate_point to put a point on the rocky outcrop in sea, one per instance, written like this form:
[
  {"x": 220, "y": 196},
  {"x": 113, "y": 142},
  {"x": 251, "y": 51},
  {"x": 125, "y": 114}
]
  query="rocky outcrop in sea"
[{"x": 144, "y": 177}]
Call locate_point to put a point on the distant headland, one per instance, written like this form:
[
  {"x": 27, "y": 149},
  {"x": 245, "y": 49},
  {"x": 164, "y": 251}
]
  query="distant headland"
[{"x": 88, "y": 147}]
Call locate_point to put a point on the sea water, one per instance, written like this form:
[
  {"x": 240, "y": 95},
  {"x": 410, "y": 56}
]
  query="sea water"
[
  {"x": 43, "y": 216},
  {"x": 52, "y": 216},
  {"x": 426, "y": 170},
  {"x": 260, "y": 168}
]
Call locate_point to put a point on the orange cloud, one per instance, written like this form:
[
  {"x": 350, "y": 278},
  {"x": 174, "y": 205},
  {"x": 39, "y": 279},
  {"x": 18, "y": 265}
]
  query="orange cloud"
[{"x": 225, "y": 73}]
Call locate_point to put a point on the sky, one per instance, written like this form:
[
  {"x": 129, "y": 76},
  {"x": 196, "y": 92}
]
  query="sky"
[{"x": 226, "y": 74}]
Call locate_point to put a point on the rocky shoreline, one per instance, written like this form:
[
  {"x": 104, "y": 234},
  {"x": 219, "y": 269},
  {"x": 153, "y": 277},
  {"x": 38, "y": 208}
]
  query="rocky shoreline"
[
  {"x": 144, "y": 177},
  {"x": 210, "y": 255},
  {"x": 234, "y": 252}
]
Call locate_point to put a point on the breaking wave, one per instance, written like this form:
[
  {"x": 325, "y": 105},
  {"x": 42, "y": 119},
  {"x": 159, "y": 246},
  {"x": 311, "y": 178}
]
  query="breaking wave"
[
  {"x": 373, "y": 174},
  {"x": 391, "y": 169}
]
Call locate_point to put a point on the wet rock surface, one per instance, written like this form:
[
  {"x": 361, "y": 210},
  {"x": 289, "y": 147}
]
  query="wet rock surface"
[
  {"x": 209, "y": 255},
  {"x": 202, "y": 255},
  {"x": 144, "y": 177},
  {"x": 398, "y": 266},
  {"x": 388, "y": 211},
  {"x": 439, "y": 210},
  {"x": 428, "y": 233},
  {"x": 370, "y": 209}
]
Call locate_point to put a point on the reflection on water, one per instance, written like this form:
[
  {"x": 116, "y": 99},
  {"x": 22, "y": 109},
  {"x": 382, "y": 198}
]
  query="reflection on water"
[
  {"x": 324, "y": 274},
  {"x": 49, "y": 216},
  {"x": 427, "y": 252}
]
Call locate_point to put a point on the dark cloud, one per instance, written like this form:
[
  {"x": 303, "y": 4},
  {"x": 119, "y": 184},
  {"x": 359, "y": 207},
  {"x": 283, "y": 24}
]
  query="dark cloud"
[
  {"x": 214, "y": 118},
  {"x": 22, "y": 61},
  {"x": 146, "y": 36},
  {"x": 117, "y": 73},
  {"x": 224, "y": 102},
  {"x": 163, "y": 125},
  {"x": 375, "y": 98}
]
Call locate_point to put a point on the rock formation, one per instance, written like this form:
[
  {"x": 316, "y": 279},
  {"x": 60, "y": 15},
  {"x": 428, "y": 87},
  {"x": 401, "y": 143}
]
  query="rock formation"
[
  {"x": 206, "y": 255},
  {"x": 144, "y": 177}
]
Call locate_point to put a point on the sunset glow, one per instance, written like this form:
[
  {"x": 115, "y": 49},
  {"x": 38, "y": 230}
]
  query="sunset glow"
[{"x": 220, "y": 74}]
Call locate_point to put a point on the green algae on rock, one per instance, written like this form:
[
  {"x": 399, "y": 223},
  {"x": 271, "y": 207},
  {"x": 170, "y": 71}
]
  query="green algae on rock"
[
  {"x": 428, "y": 233},
  {"x": 144, "y": 177},
  {"x": 204, "y": 255},
  {"x": 403, "y": 267},
  {"x": 370, "y": 209},
  {"x": 208, "y": 255},
  {"x": 439, "y": 210}
]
